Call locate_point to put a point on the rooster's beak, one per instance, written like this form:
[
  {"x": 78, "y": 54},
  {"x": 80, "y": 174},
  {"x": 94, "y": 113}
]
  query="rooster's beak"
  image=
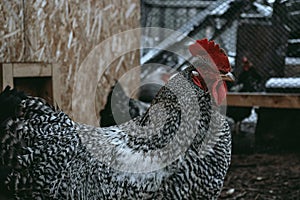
[{"x": 228, "y": 77}]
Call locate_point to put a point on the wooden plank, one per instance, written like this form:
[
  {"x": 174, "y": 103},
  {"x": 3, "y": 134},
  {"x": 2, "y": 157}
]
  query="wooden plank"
[
  {"x": 31, "y": 70},
  {"x": 6, "y": 75},
  {"x": 56, "y": 75},
  {"x": 268, "y": 100}
]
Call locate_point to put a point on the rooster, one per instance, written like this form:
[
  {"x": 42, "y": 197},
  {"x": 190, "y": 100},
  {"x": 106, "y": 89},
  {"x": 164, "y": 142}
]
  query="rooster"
[
  {"x": 179, "y": 149},
  {"x": 248, "y": 81}
]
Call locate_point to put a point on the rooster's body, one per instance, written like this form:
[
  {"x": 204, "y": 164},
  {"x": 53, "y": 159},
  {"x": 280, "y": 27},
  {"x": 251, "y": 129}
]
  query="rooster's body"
[{"x": 179, "y": 149}]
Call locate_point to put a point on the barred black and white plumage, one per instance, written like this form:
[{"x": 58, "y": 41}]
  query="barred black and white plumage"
[{"x": 180, "y": 149}]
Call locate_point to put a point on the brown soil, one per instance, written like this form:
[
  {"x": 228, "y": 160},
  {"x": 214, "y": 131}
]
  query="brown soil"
[{"x": 263, "y": 176}]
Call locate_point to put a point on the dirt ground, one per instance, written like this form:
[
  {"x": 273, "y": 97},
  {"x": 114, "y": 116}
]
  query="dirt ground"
[{"x": 263, "y": 176}]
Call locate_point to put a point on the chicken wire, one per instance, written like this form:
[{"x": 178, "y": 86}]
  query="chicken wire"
[{"x": 262, "y": 38}]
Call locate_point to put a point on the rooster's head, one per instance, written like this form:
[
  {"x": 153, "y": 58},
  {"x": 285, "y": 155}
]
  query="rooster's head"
[{"x": 214, "y": 68}]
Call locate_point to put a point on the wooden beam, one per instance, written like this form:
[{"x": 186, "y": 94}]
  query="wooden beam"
[
  {"x": 268, "y": 100},
  {"x": 56, "y": 86},
  {"x": 6, "y": 76},
  {"x": 32, "y": 70}
]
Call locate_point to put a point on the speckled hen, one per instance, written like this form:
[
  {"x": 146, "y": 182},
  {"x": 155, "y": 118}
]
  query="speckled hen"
[{"x": 179, "y": 149}]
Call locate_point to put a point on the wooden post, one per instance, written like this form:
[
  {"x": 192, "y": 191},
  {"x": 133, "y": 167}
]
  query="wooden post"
[
  {"x": 56, "y": 85},
  {"x": 6, "y": 71}
]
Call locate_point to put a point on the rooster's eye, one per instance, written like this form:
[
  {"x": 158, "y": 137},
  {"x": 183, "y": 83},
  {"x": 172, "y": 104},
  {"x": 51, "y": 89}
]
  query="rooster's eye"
[{"x": 195, "y": 73}]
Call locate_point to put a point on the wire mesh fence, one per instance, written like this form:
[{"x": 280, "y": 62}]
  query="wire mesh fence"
[{"x": 261, "y": 37}]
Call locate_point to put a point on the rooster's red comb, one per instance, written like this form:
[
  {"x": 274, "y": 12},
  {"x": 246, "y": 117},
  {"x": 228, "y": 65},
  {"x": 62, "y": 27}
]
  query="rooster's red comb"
[{"x": 219, "y": 57}]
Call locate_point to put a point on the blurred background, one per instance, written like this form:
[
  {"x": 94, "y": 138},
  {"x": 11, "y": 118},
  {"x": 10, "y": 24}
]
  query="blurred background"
[{"x": 262, "y": 40}]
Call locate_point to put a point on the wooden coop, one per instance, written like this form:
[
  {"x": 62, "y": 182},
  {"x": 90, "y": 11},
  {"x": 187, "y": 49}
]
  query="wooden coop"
[
  {"x": 44, "y": 43},
  {"x": 37, "y": 79},
  {"x": 278, "y": 108}
]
